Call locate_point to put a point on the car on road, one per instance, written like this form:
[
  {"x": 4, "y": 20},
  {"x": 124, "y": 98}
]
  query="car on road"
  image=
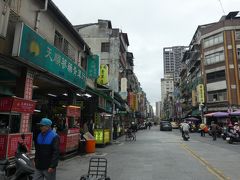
[{"x": 165, "y": 126}]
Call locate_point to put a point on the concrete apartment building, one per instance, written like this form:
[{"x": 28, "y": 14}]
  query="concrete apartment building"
[
  {"x": 158, "y": 109},
  {"x": 167, "y": 86},
  {"x": 213, "y": 60},
  {"x": 112, "y": 47},
  {"x": 172, "y": 57}
]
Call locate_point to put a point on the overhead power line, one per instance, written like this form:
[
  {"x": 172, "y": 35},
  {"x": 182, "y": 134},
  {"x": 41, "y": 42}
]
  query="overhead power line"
[{"x": 221, "y": 6}]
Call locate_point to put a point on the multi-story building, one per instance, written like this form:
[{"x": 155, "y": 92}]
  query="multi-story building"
[
  {"x": 172, "y": 57},
  {"x": 220, "y": 45},
  {"x": 158, "y": 109},
  {"x": 42, "y": 70},
  {"x": 213, "y": 63},
  {"x": 111, "y": 45},
  {"x": 167, "y": 85}
]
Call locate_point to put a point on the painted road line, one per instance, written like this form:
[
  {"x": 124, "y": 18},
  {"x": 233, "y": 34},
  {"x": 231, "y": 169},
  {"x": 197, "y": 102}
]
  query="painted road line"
[{"x": 205, "y": 163}]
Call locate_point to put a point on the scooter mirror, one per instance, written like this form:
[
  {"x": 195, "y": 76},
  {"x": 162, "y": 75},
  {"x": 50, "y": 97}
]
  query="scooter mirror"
[{"x": 23, "y": 136}]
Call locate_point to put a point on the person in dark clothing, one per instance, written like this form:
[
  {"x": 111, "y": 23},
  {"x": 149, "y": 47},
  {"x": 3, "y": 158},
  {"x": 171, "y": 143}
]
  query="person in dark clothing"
[
  {"x": 47, "y": 152},
  {"x": 214, "y": 128}
]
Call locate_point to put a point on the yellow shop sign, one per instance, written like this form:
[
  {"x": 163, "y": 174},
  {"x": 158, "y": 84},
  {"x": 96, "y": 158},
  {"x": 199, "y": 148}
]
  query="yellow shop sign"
[{"x": 103, "y": 77}]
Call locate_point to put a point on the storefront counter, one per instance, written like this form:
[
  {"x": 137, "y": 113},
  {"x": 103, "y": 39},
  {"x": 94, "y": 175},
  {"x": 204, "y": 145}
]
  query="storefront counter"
[
  {"x": 69, "y": 141},
  {"x": 102, "y": 136},
  {"x": 9, "y": 144}
]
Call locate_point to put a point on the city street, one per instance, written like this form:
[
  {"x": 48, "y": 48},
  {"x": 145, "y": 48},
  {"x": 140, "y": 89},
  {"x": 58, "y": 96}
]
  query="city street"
[{"x": 161, "y": 155}]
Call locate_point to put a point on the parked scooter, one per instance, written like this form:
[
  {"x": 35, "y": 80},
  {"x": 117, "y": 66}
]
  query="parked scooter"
[
  {"x": 232, "y": 137},
  {"x": 185, "y": 136},
  {"x": 24, "y": 165}
]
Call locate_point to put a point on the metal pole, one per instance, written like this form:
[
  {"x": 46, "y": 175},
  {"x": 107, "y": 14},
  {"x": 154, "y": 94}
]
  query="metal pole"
[
  {"x": 201, "y": 109},
  {"x": 113, "y": 108}
]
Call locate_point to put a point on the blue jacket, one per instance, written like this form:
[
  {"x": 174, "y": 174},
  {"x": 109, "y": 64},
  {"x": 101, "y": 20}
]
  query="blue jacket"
[{"x": 47, "y": 150}]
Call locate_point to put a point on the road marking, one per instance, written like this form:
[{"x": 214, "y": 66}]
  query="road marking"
[{"x": 205, "y": 163}]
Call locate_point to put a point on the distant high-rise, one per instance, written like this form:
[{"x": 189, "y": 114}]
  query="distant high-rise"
[
  {"x": 172, "y": 57},
  {"x": 158, "y": 109}
]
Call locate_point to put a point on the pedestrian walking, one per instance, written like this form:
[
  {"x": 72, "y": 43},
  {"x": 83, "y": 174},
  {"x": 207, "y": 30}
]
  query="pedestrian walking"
[
  {"x": 214, "y": 129},
  {"x": 202, "y": 129},
  {"x": 47, "y": 152},
  {"x": 149, "y": 125}
]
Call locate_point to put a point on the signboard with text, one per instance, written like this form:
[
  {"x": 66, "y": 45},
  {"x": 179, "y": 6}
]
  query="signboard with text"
[
  {"x": 93, "y": 66},
  {"x": 14, "y": 104},
  {"x": 200, "y": 91},
  {"x": 38, "y": 52}
]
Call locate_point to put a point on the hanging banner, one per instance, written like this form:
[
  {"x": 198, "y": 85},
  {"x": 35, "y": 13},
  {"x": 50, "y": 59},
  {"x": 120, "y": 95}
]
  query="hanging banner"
[
  {"x": 194, "y": 103},
  {"x": 123, "y": 84},
  {"x": 200, "y": 93},
  {"x": 93, "y": 66},
  {"x": 103, "y": 77}
]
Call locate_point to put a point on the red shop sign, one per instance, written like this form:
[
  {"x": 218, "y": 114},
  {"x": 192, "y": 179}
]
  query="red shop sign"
[
  {"x": 73, "y": 111},
  {"x": 14, "y": 104}
]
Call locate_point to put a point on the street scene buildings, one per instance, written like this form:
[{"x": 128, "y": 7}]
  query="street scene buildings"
[
  {"x": 209, "y": 76},
  {"x": 72, "y": 75},
  {"x": 82, "y": 77}
]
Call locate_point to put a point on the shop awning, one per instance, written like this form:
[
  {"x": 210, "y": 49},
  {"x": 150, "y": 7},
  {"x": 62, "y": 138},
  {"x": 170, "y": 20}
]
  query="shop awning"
[
  {"x": 196, "y": 112},
  {"x": 98, "y": 93}
]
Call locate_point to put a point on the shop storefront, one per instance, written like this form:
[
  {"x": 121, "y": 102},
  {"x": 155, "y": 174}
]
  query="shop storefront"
[
  {"x": 69, "y": 138},
  {"x": 12, "y": 124}
]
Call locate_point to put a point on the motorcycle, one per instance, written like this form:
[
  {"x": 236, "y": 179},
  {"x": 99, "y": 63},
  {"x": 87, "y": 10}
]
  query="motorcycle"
[
  {"x": 24, "y": 166},
  {"x": 232, "y": 137},
  {"x": 185, "y": 136}
]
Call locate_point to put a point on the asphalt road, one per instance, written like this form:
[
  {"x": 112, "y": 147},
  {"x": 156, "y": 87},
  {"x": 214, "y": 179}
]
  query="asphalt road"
[{"x": 161, "y": 155}]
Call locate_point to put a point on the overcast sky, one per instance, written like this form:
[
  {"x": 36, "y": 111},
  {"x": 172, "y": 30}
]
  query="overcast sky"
[{"x": 151, "y": 25}]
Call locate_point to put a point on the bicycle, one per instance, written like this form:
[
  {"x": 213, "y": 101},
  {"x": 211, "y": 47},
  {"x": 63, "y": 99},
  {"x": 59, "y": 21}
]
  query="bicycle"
[{"x": 130, "y": 135}]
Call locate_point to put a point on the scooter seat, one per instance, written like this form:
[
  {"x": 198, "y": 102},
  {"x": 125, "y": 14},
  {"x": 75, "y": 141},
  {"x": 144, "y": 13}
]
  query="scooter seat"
[{"x": 4, "y": 162}]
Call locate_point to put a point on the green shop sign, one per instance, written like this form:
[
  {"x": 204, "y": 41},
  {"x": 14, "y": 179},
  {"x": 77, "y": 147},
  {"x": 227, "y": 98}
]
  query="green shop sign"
[
  {"x": 36, "y": 51},
  {"x": 93, "y": 66}
]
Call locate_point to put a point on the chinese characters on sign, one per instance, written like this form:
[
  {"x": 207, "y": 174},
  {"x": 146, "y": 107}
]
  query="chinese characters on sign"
[
  {"x": 200, "y": 91},
  {"x": 13, "y": 104},
  {"x": 103, "y": 77},
  {"x": 37, "y": 51},
  {"x": 93, "y": 66}
]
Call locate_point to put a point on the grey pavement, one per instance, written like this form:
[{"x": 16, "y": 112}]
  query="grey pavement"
[{"x": 161, "y": 155}]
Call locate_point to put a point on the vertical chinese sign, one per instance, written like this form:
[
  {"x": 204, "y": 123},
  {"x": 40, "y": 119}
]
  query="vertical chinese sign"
[
  {"x": 93, "y": 66},
  {"x": 200, "y": 91},
  {"x": 103, "y": 77}
]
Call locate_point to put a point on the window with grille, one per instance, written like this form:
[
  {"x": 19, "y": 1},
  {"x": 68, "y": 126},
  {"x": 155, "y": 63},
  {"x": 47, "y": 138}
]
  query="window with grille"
[
  {"x": 69, "y": 50},
  {"x": 105, "y": 47},
  {"x": 213, "y": 40},
  {"x": 58, "y": 40},
  {"x": 238, "y": 35},
  {"x": 217, "y": 96},
  {"x": 238, "y": 53},
  {"x": 216, "y": 76},
  {"x": 214, "y": 58}
]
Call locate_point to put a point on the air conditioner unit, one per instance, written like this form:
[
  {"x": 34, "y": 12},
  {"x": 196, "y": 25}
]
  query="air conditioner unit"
[{"x": 4, "y": 16}]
